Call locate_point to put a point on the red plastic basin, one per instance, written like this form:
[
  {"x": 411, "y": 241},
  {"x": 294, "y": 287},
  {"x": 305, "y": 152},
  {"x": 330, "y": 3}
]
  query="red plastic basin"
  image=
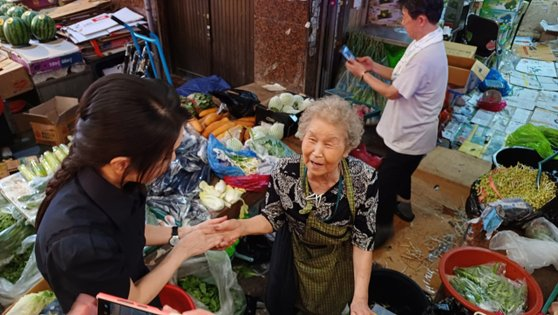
[
  {"x": 473, "y": 256},
  {"x": 176, "y": 298}
]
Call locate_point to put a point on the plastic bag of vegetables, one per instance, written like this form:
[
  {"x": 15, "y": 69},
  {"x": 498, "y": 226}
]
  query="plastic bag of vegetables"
[
  {"x": 226, "y": 162},
  {"x": 487, "y": 287},
  {"x": 30, "y": 275},
  {"x": 12, "y": 238},
  {"x": 213, "y": 269},
  {"x": 268, "y": 146},
  {"x": 541, "y": 229}
]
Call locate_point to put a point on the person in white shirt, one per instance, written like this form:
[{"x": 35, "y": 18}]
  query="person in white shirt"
[{"x": 409, "y": 122}]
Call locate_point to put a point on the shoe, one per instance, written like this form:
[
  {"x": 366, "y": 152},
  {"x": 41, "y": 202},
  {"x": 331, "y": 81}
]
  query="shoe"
[
  {"x": 404, "y": 211},
  {"x": 383, "y": 234}
]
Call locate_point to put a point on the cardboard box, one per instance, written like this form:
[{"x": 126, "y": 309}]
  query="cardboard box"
[
  {"x": 14, "y": 78},
  {"x": 44, "y": 57},
  {"x": 53, "y": 120},
  {"x": 460, "y": 50},
  {"x": 464, "y": 71}
]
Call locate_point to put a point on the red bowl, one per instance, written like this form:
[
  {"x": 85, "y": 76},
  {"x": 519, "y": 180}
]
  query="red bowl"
[
  {"x": 473, "y": 256},
  {"x": 176, "y": 298}
]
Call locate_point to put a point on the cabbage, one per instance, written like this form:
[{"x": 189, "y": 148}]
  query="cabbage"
[
  {"x": 211, "y": 202},
  {"x": 289, "y": 109},
  {"x": 32, "y": 304},
  {"x": 287, "y": 99},
  {"x": 234, "y": 144},
  {"x": 298, "y": 99},
  {"x": 258, "y": 132},
  {"x": 275, "y": 104},
  {"x": 276, "y": 131}
]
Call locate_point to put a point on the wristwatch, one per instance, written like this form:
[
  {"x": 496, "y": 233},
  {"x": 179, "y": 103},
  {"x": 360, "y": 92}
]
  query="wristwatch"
[{"x": 174, "y": 236}]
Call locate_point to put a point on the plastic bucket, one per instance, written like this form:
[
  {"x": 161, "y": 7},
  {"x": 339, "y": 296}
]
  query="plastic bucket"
[
  {"x": 176, "y": 298},
  {"x": 474, "y": 256},
  {"x": 402, "y": 295}
]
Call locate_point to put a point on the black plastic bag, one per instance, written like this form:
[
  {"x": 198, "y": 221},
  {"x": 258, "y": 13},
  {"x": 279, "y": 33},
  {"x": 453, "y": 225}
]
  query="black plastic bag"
[{"x": 239, "y": 103}]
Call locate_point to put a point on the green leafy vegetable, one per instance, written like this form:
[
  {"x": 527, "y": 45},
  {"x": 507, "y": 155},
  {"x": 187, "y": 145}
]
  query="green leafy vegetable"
[
  {"x": 202, "y": 291},
  {"x": 487, "y": 287},
  {"x": 6, "y": 220},
  {"x": 33, "y": 303},
  {"x": 12, "y": 271}
]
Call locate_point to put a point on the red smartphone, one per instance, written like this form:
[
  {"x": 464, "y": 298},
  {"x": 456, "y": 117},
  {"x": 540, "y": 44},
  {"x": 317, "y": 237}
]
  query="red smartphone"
[{"x": 112, "y": 305}]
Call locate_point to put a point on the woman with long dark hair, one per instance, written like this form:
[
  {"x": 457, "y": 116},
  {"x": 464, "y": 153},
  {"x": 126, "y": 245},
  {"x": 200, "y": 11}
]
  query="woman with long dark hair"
[{"x": 91, "y": 227}]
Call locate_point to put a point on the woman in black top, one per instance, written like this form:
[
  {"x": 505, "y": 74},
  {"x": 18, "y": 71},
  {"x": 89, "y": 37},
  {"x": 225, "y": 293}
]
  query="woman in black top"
[{"x": 91, "y": 226}]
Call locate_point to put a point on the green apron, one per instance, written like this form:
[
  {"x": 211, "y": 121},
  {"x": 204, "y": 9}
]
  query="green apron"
[{"x": 323, "y": 258}]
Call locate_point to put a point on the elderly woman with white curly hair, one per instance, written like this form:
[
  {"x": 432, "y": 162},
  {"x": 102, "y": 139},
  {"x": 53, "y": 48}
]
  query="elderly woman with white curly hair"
[{"x": 323, "y": 206}]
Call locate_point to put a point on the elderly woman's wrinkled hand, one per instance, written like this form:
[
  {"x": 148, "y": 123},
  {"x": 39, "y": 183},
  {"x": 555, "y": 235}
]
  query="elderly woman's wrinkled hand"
[
  {"x": 230, "y": 230},
  {"x": 198, "y": 242},
  {"x": 207, "y": 226}
]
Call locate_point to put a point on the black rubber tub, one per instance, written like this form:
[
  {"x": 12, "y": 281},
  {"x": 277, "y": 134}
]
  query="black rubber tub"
[
  {"x": 512, "y": 155},
  {"x": 396, "y": 292}
]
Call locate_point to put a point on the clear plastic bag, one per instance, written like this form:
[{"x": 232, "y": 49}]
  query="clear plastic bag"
[
  {"x": 529, "y": 253},
  {"x": 214, "y": 267},
  {"x": 12, "y": 238},
  {"x": 486, "y": 286},
  {"x": 541, "y": 229},
  {"x": 9, "y": 292}
]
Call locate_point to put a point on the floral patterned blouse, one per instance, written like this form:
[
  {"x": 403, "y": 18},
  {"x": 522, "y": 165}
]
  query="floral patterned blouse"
[{"x": 286, "y": 195}]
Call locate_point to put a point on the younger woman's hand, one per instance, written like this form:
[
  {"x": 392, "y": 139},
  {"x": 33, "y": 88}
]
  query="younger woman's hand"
[{"x": 198, "y": 241}]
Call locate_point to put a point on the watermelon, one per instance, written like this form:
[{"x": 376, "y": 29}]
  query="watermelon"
[
  {"x": 2, "y": 37},
  {"x": 43, "y": 27},
  {"x": 15, "y": 11},
  {"x": 28, "y": 16},
  {"x": 5, "y": 7},
  {"x": 16, "y": 31}
]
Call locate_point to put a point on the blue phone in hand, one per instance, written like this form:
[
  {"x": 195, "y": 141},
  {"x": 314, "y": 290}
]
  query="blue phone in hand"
[{"x": 346, "y": 52}]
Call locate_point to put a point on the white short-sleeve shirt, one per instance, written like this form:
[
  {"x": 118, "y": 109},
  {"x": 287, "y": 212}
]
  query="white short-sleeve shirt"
[{"x": 409, "y": 124}]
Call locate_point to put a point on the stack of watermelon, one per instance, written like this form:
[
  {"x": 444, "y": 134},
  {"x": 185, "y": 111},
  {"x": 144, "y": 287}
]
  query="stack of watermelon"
[
  {"x": 43, "y": 27},
  {"x": 16, "y": 11},
  {"x": 2, "y": 20},
  {"x": 18, "y": 26}
]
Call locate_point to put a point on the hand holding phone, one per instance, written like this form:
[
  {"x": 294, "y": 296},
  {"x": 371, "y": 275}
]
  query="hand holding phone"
[
  {"x": 112, "y": 305},
  {"x": 346, "y": 52}
]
